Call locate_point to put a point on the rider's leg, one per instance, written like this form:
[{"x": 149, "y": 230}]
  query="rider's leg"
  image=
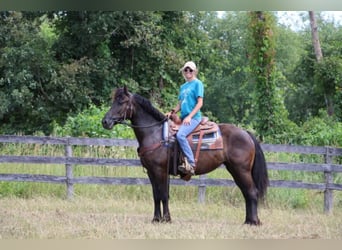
[{"x": 181, "y": 135}]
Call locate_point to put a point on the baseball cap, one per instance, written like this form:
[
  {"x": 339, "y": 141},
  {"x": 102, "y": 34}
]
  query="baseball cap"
[{"x": 189, "y": 64}]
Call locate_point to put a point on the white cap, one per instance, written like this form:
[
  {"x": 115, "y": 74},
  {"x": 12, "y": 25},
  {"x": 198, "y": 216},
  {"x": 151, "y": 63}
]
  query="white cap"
[{"x": 189, "y": 64}]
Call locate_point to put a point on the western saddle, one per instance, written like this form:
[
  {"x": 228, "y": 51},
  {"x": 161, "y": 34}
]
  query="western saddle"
[{"x": 206, "y": 136}]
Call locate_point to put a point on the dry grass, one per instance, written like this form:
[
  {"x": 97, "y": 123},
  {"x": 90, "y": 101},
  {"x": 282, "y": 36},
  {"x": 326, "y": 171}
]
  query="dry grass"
[{"x": 86, "y": 218}]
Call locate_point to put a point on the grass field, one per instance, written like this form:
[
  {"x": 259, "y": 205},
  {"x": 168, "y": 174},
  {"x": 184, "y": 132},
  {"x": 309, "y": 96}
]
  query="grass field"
[
  {"x": 88, "y": 218},
  {"x": 40, "y": 211}
]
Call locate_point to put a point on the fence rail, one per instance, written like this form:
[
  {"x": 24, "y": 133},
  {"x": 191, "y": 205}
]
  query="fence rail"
[{"x": 327, "y": 168}]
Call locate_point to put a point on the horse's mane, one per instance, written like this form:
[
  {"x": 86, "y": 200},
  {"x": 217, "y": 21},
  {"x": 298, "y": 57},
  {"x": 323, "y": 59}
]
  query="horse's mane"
[{"x": 147, "y": 106}]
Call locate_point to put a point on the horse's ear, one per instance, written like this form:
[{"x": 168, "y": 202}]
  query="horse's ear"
[{"x": 126, "y": 90}]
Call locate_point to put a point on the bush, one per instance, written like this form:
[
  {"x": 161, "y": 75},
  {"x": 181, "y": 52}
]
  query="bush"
[{"x": 323, "y": 130}]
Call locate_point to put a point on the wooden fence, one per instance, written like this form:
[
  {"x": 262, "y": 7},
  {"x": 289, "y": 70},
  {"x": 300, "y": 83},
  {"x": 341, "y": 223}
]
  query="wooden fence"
[{"x": 327, "y": 168}]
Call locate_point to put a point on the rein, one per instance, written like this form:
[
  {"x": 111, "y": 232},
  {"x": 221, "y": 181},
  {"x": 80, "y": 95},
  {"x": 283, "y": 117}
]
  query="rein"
[{"x": 145, "y": 126}]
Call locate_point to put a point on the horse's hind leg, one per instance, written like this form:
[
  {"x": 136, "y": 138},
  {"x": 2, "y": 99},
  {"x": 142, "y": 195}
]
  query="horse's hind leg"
[
  {"x": 245, "y": 182},
  {"x": 251, "y": 197}
]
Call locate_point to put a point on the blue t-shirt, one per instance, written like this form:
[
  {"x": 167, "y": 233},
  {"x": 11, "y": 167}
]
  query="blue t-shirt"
[{"x": 188, "y": 94}]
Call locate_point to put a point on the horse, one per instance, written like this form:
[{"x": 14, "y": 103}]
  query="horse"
[{"x": 242, "y": 154}]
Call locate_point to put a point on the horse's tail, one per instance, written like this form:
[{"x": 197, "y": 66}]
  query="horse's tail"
[{"x": 259, "y": 170}]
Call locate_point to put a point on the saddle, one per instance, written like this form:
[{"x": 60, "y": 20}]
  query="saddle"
[{"x": 206, "y": 136}]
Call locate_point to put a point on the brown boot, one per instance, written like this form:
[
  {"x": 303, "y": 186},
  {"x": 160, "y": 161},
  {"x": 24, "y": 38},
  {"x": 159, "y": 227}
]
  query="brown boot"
[
  {"x": 192, "y": 169},
  {"x": 186, "y": 167}
]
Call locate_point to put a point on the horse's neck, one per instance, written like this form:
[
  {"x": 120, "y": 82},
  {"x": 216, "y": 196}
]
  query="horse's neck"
[{"x": 147, "y": 130}]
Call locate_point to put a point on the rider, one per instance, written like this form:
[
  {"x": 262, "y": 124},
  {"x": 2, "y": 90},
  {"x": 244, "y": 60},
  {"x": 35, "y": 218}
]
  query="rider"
[{"x": 190, "y": 101}]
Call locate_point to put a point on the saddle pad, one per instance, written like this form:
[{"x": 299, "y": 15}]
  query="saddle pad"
[
  {"x": 212, "y": 140},
  {"x": 210, "y": 131}
]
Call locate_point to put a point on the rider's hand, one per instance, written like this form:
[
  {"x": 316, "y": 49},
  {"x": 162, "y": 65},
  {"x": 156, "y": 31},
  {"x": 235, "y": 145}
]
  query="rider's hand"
[
  {"x": 187, "y": 120},
  {"x": 168, "y": 115}
]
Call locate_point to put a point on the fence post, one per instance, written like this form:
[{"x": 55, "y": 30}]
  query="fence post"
[
  {"x": 328, "y": 193},
  {"x": 201, "y": 189},
  {"x": 68, "y": 171}
]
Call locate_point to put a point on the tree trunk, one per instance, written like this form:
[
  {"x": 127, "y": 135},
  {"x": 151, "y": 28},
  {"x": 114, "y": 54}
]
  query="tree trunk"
[
  {"x": 315, "y": 38},
  {"x": 319, "y": 57}
]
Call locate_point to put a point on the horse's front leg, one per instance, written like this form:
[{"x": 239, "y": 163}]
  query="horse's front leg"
[
  {"x": 160, "y": 195},
  {"x": 157, "y": 212},
  {"x": 166, "y": 212}
]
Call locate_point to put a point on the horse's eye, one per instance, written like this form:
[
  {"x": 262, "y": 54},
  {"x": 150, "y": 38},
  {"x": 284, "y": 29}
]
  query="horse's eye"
[{"x": 120, "y": 100}]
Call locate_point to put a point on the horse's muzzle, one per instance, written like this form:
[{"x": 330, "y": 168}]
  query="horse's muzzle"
[{"x": 108, "y": 123}]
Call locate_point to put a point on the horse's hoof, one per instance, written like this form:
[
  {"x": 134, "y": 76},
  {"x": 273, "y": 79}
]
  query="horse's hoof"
[
  {"x": 156, "y": 220},
  {"x": 166, "y": 219},
  {"x": 253, "y": 222}
]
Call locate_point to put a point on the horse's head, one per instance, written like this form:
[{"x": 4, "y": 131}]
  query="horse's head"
[{"x": 121, "y": 109}]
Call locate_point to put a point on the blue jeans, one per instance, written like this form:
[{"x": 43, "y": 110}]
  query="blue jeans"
[{"x": 183, "y": 132}]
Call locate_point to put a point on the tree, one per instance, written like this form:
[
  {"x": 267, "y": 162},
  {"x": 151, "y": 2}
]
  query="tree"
[
  {"x": 56, "y": 64},
  {"x": 317, "y": 78},
  {"x": 321, "y": 69},
  {"x": 142, "y": 49},
  {"x": 35, "y": 87},
  {"x": 263, "y": 66},
  {"x": 229, "y": 94},
  {"x": 26, "y": 65}
]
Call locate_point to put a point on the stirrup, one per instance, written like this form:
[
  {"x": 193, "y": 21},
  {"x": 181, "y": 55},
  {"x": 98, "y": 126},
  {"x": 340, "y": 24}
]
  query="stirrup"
[{"x": 186, "y": 167}]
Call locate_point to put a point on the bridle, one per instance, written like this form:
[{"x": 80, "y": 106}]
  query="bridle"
[{"x": 129, "y": 110}]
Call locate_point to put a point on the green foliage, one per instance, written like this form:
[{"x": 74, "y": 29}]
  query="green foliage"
[
  {"x": 328, "y": 75},
  {"x": 58, "y": 65},
  {"x": 268, "y": 106},
  {"x": 322, "y": 131},
  {"x": 36, "y": 88},
  {"x": 316, "y": 131},
  {"x": 25, "y": 67},
  {"x": 47, "y": 31},
  {"x": 229, "y": 90},
  {"x": 301, "y": 100},
  {"x": 316, "y": 86},
  {"x": 328, "y": 80}
]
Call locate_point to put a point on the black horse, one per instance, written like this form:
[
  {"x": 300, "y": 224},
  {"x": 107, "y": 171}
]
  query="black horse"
[{"x": 241, "y": 154}]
